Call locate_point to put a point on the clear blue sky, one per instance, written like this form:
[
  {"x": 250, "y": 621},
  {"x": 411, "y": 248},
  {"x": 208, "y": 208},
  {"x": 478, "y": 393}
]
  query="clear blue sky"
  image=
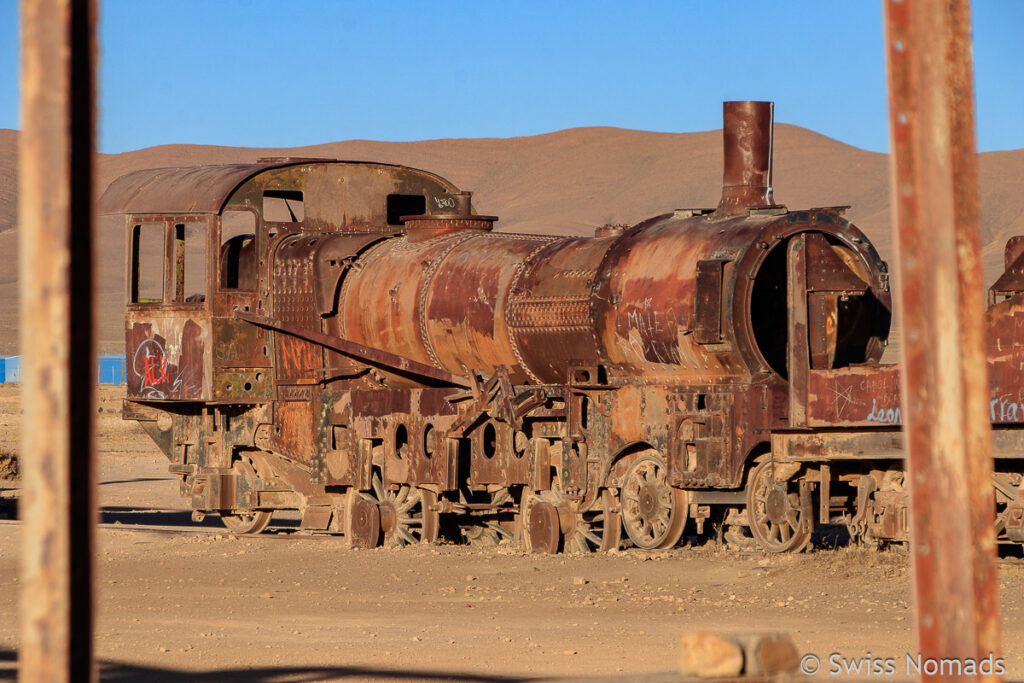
[{"x": 274, "y": 73}]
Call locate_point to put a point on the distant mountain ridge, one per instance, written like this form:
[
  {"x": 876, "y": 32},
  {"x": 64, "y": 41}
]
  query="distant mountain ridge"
[{"x": 564, "y": 183}]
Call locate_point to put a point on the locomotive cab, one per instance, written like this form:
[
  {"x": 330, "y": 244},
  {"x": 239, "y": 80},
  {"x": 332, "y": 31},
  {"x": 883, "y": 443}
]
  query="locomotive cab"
[
  {"x": 169, "y": 305},
  {"x": 186, "y": 274},
  {"x": 202, "y": 244}
]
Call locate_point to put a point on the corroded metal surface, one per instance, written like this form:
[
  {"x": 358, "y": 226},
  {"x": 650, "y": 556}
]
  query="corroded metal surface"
[
  {"x": 945, "y": 388},
  {"x": 167, "y": 358},
  {"x": 203, "y": 189},
  {"x": 55, "y": 213},
  {"x": 747, "y": 180}
]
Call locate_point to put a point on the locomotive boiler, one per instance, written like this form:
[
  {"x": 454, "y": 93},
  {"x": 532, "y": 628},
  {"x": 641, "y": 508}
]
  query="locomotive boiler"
[{"x": 352, "y": 340}]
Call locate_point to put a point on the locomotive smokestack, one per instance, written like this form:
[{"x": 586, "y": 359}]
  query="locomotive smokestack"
[{"x": 747, "y": 139}]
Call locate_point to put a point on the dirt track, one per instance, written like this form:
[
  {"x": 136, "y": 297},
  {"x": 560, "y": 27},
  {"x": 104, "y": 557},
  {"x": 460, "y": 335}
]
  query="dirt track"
[{"x": 283, "y": 607}]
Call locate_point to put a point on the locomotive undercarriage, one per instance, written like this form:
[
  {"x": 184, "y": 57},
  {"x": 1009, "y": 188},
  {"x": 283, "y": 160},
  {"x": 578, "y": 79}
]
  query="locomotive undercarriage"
[
  {"x": 857, "y": 481},
  {"x": 551, "y": 468}
]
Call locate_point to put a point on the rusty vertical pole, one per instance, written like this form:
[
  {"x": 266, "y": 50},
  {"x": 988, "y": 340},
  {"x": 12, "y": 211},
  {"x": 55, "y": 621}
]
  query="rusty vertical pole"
[
  {"x": 945, "y": 378},
  {"x": 56, "y": 263}
]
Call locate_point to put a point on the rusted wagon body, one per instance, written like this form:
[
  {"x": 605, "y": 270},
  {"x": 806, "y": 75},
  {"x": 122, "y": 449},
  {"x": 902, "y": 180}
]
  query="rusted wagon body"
[
  {"x": 351, "y": 340},
  {"x": 849, "y": 446}
]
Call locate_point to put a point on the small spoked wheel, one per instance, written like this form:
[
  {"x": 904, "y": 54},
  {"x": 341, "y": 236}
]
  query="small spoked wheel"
[
  {"x": 653, "y": 513},
  {"x": 553, "y": 522},
  {"x": 487, "y": 531},
  {"x": 246, "y": 523},
  {"x": 483, "y": 535},
  {"x": 599, "y": 529},
  {"x": 774, "y": 513},
  {"x": 408, "y": 515}
]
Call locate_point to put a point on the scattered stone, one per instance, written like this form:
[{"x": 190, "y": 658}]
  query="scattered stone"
[
  {"x": 705, "y": 654},
  {"x": 768, "y": 654}
]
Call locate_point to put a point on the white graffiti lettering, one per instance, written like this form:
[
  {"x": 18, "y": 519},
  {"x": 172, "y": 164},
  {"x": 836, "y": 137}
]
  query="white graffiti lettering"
[
  {"x": 1005, "y": 410},
  {"x": 889, "y": 416}
]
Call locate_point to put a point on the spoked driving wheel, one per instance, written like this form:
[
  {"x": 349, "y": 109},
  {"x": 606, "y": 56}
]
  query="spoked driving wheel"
[
  {"x": 407, "y": 514},
  {"x": 774, "y": 512},
  {"x": 653, "y": 513}
]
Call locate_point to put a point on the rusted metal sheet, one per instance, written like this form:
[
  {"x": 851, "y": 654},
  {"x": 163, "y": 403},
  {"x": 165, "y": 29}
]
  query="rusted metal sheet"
[
  {"x": 550, "y": 307},
  {"x": 55, "y": 209},
  {"x": 411, "y": 427},
  {"x": 862, "y": 396},
  {"x": 713, "y": 430},
  {"x": 207, "y": 189},
  {"x": 798, "y": 361},
  {"x": 167, "y": 357},
  {"x": 202, "y": 189},
  {"x": 298, "y": 360},
  {"x": 873, "y": 444},
  {"x": 837, "y": 445},
  {"x": 1012, "y": 280},
  {"x": 945, "y": 387},
  {"x": 332, "y": 261},
  {"x": 293, "y": 424},
  {"x": 1006, "y": 359},
  {"x": 366, "y": 354},
  {"x": 869, "y": 396}
]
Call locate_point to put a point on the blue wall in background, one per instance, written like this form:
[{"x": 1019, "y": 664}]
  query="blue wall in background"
[
  {"x": 110, "y": 369},
  {"x": 10, "y": 369}
]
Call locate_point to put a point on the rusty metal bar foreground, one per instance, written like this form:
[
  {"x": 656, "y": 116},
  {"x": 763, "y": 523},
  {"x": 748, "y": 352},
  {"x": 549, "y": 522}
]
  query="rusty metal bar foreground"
[
  {"x": 56, "y": 264},
  {"x": 945, "y": 387}
]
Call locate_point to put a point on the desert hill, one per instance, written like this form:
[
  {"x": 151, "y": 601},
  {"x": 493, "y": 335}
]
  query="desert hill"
[{"x": 563, "y": 183}]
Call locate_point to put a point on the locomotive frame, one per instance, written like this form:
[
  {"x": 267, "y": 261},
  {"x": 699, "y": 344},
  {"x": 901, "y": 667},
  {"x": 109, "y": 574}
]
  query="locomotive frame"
[{"x": 351, "y": 340}]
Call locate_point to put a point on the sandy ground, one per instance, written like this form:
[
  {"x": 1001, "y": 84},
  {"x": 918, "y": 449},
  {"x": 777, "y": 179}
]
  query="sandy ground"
[{"x": 284, "y": 607}]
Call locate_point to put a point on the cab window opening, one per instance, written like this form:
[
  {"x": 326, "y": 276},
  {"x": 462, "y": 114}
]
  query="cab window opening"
[
  {"x": 190, "y": 263},
  {"x": 283, "y": 206},
  {"x": 238, "y": 267},
  {"x": 147, "y": 263},
  {"x": 399, "y": 205}
]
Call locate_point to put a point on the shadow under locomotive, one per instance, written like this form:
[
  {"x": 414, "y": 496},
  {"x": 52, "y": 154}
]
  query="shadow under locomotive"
[{"x": 351, "y": 340}]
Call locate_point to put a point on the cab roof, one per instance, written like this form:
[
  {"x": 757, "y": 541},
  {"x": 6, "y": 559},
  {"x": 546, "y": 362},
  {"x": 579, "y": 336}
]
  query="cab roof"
[{"x": 192, "y": 189}]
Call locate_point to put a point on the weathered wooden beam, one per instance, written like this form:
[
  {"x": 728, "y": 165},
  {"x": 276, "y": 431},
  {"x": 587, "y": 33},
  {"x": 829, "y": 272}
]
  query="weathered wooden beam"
[
  {"x": 56, "y": 282},
  {"x": 945, "y": 381}
]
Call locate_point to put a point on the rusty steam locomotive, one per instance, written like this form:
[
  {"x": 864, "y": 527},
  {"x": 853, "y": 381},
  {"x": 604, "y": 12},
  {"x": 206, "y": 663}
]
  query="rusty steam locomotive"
[{"x": 353, "y": 341}]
